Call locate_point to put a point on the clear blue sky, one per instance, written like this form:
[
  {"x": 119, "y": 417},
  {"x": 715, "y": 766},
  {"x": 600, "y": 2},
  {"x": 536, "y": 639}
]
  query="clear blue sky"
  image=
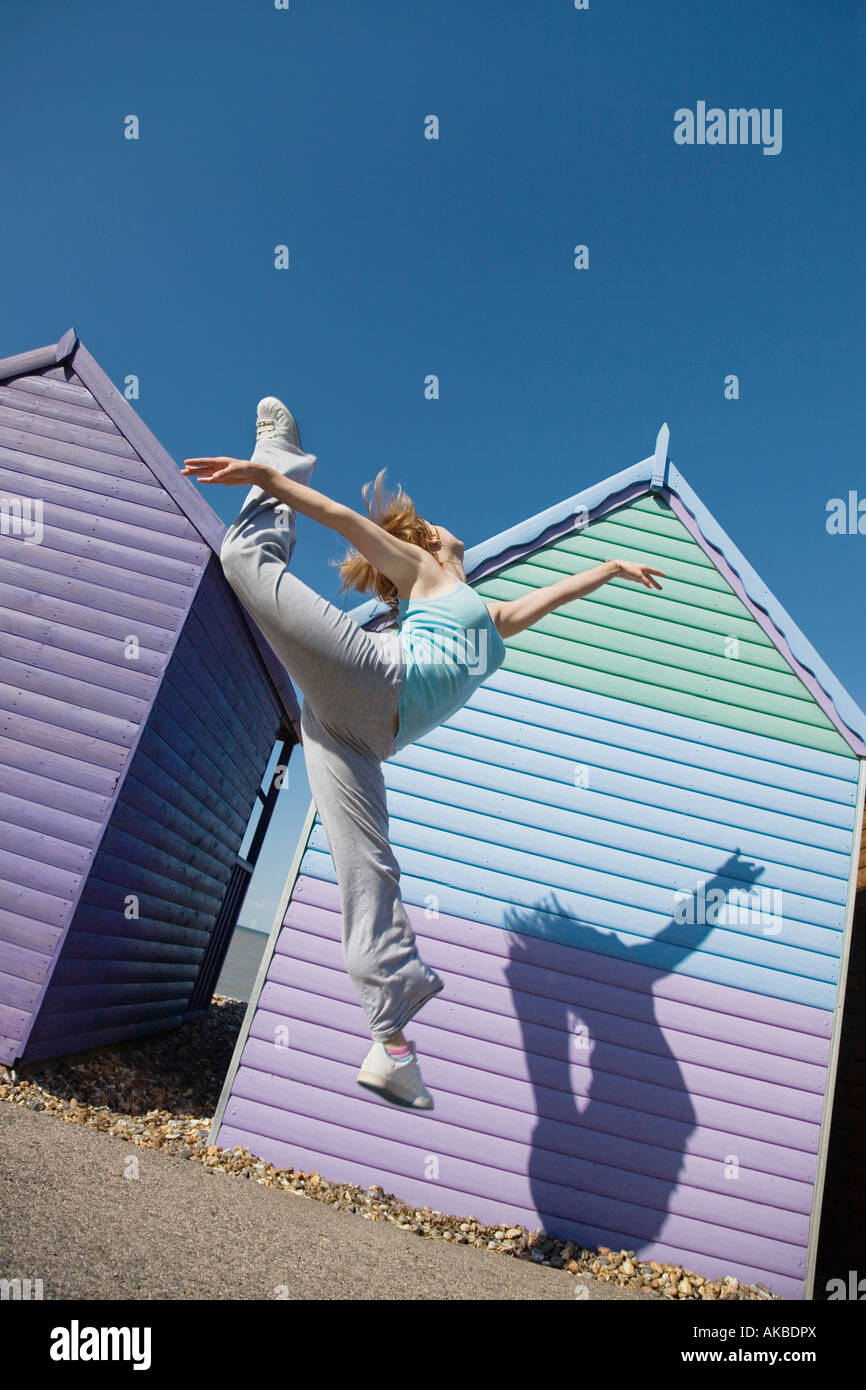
[{"x": 410, "y": 256}]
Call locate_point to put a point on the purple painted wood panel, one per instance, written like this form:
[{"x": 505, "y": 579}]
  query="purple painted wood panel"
[
  {"x": 573, "y": 1090},
  {"x": 171, "y": 842},
  {"x": 72, "y": 703},
  {"x": 102, "y": 449},
  {"x": 54, "y": 406},
  {"x": 108, "y": 767}
]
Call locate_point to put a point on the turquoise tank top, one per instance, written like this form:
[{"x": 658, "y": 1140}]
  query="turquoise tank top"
[{"x": 450, "y": 645}]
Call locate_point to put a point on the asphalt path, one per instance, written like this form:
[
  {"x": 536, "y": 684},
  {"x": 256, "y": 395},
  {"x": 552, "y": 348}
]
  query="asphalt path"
[{"x": 95, "y": 1217}]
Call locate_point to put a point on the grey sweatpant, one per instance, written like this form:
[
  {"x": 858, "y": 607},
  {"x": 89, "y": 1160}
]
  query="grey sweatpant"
[{"x": 350, "y": 680}]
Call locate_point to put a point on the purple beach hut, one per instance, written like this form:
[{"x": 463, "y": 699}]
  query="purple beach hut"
[{"x": 140, "y": 711}]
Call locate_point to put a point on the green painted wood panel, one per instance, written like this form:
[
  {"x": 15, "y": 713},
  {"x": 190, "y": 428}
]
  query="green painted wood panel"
[{"x": 692, "y": 649}]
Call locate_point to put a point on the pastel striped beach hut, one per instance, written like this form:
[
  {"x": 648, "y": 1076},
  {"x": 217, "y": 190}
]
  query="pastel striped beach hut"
[
  {"x": 139, "y": 713},
  {"x": 632, "y": 856}
]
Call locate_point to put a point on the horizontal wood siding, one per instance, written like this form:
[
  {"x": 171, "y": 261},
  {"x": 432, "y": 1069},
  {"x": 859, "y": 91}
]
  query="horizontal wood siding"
[
  {"x": 603, "y": 1064},
  {"x": 116, "y": 560},
  {"x": 668, "y": 650},
  {"x": 583, "y": 1093},
  {"x": 171, "y": 842}
]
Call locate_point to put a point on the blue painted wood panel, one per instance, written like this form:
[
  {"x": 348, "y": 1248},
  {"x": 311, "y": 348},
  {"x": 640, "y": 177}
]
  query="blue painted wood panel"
[
  {"x": 486, "y": 815},
  {"x": 607, "y": 1060}
]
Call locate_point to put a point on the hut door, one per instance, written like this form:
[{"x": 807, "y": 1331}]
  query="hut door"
[{"x": 236, "y": 888}]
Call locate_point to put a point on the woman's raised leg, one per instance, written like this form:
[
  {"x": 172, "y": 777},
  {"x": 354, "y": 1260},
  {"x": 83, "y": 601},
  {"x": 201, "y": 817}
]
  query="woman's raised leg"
[
  {"x": 343, "y": 671},
  {"x": 350, "y": 680}
]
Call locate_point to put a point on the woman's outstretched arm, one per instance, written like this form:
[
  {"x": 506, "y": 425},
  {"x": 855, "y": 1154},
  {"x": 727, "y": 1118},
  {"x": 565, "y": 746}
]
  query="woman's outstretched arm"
[
  {"x": 515, "y": 615},
  {"x": 397, "y": 559}
]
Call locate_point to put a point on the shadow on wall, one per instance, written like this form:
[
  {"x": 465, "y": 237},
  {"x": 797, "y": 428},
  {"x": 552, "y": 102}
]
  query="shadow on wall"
[{"x": 614, "y": 1119}]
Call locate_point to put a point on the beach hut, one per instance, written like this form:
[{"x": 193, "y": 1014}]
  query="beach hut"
[
  {"x": 632, "y": 856},
  {"x": 140, "y": 712}
]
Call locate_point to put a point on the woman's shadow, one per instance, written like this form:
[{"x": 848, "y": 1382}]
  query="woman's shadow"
[{"x": 613, "y": 1112}]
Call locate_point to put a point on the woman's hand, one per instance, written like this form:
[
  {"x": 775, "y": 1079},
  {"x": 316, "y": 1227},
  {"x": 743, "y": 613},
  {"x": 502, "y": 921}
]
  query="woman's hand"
[
  {"x": 515, "y": 615},
  {"x": 231, "y": 472},
  {"x": 640, "y": 574}
]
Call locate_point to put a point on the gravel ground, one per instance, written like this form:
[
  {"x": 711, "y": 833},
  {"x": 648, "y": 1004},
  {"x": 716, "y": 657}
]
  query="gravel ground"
[{"x": 160, "y": 1095}]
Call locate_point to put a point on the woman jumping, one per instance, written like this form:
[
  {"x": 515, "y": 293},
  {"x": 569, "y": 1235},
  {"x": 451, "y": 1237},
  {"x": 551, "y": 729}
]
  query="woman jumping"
[{"x": 368, "y": 694}]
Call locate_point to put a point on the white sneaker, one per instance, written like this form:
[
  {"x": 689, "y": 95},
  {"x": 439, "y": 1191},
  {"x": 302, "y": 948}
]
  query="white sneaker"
[
  {"x": 398, "y": 1082},
  {"x": 278, "y": 445},
  {"x": 275, "y": 421}
]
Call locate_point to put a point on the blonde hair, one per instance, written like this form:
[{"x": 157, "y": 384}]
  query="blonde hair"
[{"x": 394, "y": 512}]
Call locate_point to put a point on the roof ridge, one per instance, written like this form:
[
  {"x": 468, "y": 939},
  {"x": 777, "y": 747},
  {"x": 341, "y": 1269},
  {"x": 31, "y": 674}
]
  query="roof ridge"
[
  {"x": 794, "y": 646},
  {"x": 658, "y": 476},
  {"x": 70, "y": 351}
]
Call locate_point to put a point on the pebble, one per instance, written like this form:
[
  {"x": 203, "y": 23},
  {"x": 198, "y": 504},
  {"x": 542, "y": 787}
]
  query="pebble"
[{"x": 161, "y": 1093}]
